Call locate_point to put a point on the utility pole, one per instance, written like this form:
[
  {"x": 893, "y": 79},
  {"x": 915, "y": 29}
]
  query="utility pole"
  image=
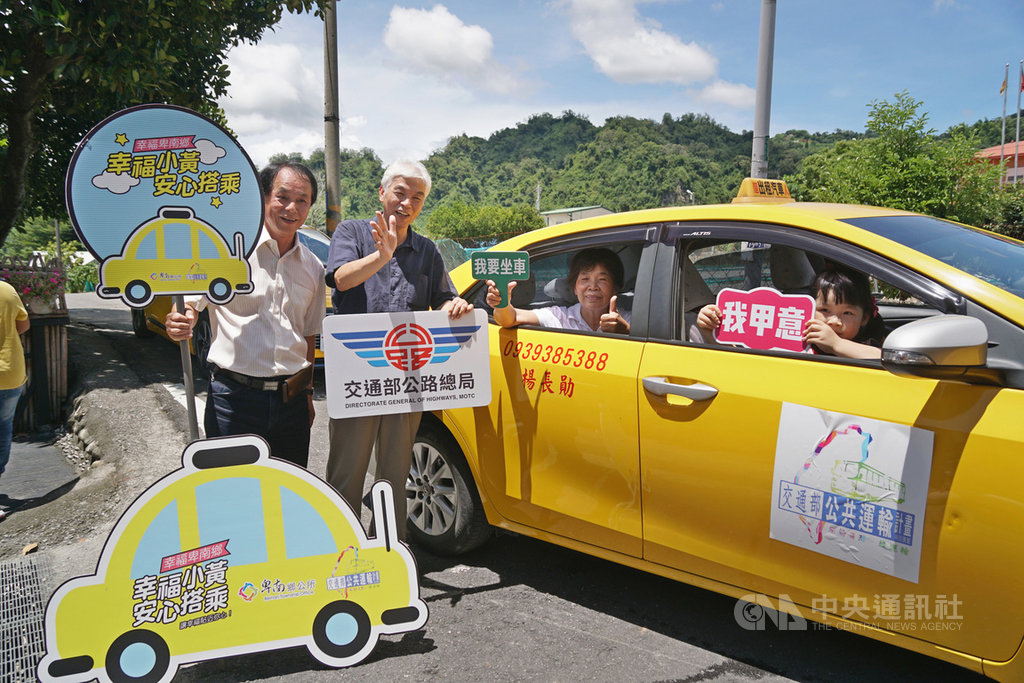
[
  {"x": 332, "y": 123},
  {"x": 763, "y": 98}
]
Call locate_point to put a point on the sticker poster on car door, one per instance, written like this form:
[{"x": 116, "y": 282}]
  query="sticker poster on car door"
[
  {"x": 383, "y": 363},
  {"x": 852, "y": 488},
  {"x": 167, "y": 202}
]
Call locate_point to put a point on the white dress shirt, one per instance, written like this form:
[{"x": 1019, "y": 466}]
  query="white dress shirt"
[{"x": 262, "y": 334}]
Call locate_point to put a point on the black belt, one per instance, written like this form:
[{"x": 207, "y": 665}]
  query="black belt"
[{"x": 261, "y": 383}]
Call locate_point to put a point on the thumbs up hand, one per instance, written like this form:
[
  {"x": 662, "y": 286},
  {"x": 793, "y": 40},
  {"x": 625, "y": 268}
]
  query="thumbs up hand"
[{"x": 612, "y": 321}]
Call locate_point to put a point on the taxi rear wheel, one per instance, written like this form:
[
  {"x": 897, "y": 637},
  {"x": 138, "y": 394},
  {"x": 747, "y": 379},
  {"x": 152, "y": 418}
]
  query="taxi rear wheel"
[
  {"x": 138, "y": 293},
  {"x": 444, "y": 508},
  {"x": 220, "y": 291},
  {"x": 341, "y": 629},
  {"x": 139, "y": 656}
]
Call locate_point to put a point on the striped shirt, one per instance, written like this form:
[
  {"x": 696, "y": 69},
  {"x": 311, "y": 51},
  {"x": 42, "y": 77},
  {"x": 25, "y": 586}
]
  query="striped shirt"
[{"x": 262, "y": 334}]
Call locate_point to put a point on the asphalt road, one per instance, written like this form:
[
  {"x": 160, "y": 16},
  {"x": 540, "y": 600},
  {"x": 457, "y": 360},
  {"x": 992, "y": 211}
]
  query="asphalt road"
[{"x": 517, "y": 609}]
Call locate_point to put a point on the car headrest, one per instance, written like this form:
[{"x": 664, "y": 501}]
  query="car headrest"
[
  {"x": 696, "y": 292},
  {"x": 560, "y": 291},
  {"x": 525, "y": 290},
  {"x": 791, "y": 269}
]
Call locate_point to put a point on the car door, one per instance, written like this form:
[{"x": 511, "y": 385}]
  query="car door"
[
  {"x": 559, "y": 451},
  {"x": 731, "y": 436}
]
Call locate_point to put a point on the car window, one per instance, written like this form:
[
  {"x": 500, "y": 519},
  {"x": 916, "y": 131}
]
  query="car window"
[
  {"x": 177, "y": 241},
  {"x": 710, "y": 266},
  {"x": 161, "y": 538},
  {"x": 147, "y": 247},
  {"x": 207, "y": 248},
  {"x": 305, "y": 531},
  {"x": 240, "y": 522},
  {"x": 549, "y": 284}
]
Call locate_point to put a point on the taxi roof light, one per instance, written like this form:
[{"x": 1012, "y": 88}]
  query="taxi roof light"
[{"x": 762, "y": 191}]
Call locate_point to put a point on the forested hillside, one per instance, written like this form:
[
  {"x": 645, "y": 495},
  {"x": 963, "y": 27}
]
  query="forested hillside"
[{"x": 627, "y": 163}]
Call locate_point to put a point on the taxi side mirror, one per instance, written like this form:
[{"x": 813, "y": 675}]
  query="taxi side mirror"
[{"x": 948, "y": 347}]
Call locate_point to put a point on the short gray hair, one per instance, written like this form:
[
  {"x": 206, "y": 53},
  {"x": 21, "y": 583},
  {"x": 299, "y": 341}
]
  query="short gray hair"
[{"x": 406, "y": 168}]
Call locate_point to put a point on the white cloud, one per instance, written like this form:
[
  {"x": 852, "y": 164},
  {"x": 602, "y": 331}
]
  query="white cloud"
[
  {"x": 209, "y": 152},
  {"x": 438, "y": 42},
  {"x": 273, "y": 94},
  {"x": 733, "y": 94},
  {"x": 629, "y": 49},
  {"x": 118, "y": 183}
]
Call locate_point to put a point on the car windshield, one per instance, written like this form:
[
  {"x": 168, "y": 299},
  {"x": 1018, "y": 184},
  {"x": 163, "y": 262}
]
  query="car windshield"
[
  {"x": 318, "y": 247},
  {"x": 987, "y": 256}
]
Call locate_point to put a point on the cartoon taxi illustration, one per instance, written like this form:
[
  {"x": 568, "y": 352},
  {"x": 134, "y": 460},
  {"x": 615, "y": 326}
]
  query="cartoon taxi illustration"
[
  {"x": 175, "y": 253},
  {"x": 233, "y": 553}
]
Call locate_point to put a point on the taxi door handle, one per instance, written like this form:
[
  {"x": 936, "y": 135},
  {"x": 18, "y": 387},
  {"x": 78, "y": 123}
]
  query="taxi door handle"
[{"x": 660, "y": 386}]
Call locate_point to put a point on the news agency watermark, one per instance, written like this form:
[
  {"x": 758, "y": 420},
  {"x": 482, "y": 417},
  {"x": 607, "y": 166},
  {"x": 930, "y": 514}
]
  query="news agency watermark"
[{"x": 891, "y": 611}]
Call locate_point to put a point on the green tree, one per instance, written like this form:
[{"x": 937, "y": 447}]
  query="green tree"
[
  {"x": 66, "y": 63},
  {"x": 902, "y": 166},
  {"x": 477, "y": 225}
]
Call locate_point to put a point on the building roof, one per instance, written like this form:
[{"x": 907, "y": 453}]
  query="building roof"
[{"x": 1007, "y": 150}]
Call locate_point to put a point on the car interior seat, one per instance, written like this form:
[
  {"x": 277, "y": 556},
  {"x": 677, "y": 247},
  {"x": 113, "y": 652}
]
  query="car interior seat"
[
  {"x": 696, "y": 295},
  {"x": 793, "y": 270},
  {"x": 525, "y": 290}
]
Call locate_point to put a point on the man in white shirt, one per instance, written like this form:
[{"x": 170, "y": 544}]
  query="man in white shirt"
[{"x": 262, "y": 339}]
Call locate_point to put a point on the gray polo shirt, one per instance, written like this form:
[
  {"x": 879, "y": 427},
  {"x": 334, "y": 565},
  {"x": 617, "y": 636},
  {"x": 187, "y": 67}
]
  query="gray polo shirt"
[{"x": 414, "y": 279}]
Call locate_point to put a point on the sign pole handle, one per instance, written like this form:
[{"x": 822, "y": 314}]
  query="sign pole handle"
[{"x": 186, "y": 369}]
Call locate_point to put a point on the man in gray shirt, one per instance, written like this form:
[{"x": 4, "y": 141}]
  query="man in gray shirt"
[{"x": 384, "y": 266}]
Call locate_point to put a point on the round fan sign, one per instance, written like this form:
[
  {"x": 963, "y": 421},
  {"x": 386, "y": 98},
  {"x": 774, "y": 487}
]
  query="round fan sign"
[{"x": 167, "y": 202}]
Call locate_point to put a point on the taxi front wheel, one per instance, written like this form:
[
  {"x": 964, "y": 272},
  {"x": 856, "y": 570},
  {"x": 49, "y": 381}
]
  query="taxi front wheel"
[
  {"x": 139, "y": 655},
  {"x": 445, "y": 513},
  {"x": 139, "y": 326}
]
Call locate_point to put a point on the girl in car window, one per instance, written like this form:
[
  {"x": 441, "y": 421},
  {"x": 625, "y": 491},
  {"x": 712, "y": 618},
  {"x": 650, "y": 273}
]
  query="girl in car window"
[
  {"x": 596, "y": 276},
  {"x": 846, "y": 322}
]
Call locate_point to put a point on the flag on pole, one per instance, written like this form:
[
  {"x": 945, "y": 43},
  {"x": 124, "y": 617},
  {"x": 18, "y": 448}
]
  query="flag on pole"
[
  {"x": 1016, "y": 147},
  {"x": 1002, "y": 141}
]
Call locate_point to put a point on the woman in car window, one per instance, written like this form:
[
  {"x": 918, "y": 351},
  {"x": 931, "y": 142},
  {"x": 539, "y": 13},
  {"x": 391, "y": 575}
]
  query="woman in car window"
[{"x": 596, "y": 276}]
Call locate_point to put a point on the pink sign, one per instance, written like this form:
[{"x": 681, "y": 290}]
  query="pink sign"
[
  {"x": 194, "y": 556},
  {"x": 763, "y": 319}
]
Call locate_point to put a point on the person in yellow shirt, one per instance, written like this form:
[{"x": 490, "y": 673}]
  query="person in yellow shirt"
[{"x": 13, "y": 323}]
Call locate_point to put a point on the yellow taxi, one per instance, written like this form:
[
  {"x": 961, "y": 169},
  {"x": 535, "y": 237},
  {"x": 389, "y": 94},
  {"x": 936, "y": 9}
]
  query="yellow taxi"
[
  {"x": 146, "y": 321},
  {"x": 881, "y": 496},
  {"x": 233, "y": 553},
  {"x": 172, "y": 254}
]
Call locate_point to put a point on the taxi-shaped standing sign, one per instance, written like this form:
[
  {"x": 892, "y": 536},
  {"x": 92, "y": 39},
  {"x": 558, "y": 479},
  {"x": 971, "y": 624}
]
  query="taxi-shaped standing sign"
[
  {"x": 168, "y": 203},
  {"x": 233, "y": 553}
]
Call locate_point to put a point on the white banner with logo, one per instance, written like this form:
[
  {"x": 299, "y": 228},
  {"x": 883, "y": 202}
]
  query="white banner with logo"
[
  {"x": 381, "y": 363},
  {"x": 852, "y": 488}
]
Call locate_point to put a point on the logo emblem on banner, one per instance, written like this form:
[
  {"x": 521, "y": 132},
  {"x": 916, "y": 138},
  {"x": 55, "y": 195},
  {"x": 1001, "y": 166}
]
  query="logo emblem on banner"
[
  {"x": 407, "y": 346},
  {"x": 384, "y": 363}
]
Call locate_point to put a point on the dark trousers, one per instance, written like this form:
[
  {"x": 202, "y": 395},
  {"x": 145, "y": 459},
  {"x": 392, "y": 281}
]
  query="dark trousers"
[{"x": 233, "y": 409}]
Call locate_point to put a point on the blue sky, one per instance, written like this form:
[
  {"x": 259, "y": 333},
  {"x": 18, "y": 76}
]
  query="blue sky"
[{"x": 415, "y": 74}]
